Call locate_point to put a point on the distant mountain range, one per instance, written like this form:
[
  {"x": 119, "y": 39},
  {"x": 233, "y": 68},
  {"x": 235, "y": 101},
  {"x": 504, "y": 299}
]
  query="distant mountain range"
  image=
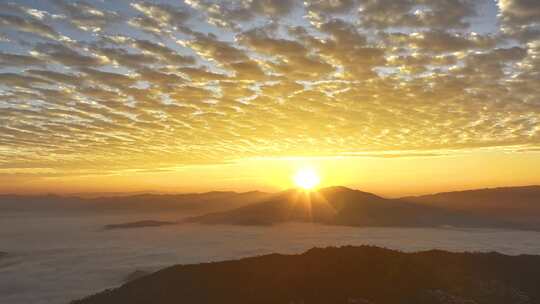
[
  {"x": 335, "y": 205},
  {"x": 190, "y": 203},
  {"x": 361, "y": 275},
  {"x": 511, "y": 207},
  {"x": 344, "y": 206},
  {"x": 517, "y": 205}
]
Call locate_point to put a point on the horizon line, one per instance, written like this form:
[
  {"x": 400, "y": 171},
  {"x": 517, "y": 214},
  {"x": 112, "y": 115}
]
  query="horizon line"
[{"x": 98, "y": 194}]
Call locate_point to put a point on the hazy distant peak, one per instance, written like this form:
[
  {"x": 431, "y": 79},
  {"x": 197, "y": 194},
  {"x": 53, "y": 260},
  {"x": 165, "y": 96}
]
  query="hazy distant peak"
[
  {"x": 337, "y": 189},
  {"x": 507, "y": 189},
  {"x": 343, "y": 189},
  {"x": 332, "y": 190}
]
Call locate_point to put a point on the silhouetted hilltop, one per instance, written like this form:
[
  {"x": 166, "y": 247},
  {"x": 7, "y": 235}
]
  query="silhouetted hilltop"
[
  {"x": 139, "y": 224},
  {"x": 136, "y": 275},
  {"x": 343, "y": 206},
  {"x": 341, "y": 275},
  {"x": 520, "y": 205}
]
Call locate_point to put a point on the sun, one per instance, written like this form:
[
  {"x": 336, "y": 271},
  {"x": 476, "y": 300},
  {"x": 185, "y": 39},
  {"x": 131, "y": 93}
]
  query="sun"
[{"x": 306, "y": 178}]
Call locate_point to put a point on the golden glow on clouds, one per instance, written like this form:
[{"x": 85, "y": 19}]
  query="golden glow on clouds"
[
  {"x": 389, "y": 176},
  {"x": 123, "y": 89}
]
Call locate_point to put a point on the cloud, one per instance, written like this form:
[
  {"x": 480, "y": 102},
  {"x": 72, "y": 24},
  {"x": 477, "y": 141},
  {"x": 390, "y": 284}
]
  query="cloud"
[
  {"x": 122, "y": 57},
  {"x": 213, "y": 81},
  {"x": 14, "y": 60},
  {"x": 65, "y": 55},
  {"x": 273, "y": 9},
  {"x": 417, "y": 14},
  {"x": 159, "y": 19},
  {"x": 350, "y": 49},
  {"x": 229, "y": 14},
  {"x": 85, "y": 16},
  {"x": 107, "y": 78},
  {"x": 59, "y": 78},
  {"x": 28, "y": 26},
  {"x": 292, "y": 59},
  {"x": 211, "y": 48},
  {"x": 162, "y": 52},
  {"x": 14, "y": 79},
  {"x": 439, "y": 41},
  {"x": 520, "y": 18},
  {"x": 331, "y": 7},
  {"x": 520, "y": 10}
]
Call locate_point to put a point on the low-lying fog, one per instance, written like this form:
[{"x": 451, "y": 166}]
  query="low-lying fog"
[{"x": 57, "y": 259}]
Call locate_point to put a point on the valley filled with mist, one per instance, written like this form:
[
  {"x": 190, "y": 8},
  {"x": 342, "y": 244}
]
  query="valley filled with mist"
[{"x": 71, "y": 248}]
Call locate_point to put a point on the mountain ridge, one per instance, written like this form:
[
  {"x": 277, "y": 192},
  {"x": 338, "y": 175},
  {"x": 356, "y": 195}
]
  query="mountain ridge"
[
  {"x": 501, "y": 207},
  {"x": 519, "y": 205},
  {"x": 342, "y": 206},
  {"x": 363, "y": 274},
  {"x": 183, "y": 203}
]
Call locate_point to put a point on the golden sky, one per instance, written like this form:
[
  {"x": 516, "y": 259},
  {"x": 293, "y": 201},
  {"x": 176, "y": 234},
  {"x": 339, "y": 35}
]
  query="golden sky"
[{"x": 395, "y": 97}]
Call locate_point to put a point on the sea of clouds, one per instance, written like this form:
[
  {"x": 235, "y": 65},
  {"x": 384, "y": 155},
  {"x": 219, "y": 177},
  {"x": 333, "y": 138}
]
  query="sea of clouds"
[{"x": 55, "y": 259}]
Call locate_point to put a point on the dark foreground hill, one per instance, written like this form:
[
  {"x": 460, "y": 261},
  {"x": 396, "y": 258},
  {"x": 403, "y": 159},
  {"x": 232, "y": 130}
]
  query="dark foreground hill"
[
  {"x": 344, "y": 206},
  {"x": 341, "y": 275}
]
